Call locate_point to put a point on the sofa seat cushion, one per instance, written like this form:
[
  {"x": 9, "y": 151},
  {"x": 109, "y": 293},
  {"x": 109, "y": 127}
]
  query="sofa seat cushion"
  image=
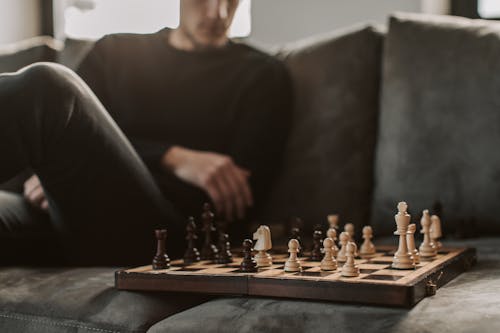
[
  {"x": 439, "y": 129},
  {"x": 469, "y": 303},
  {"x": 328, "y": 164},
  {"x": 80, "y": 300}
]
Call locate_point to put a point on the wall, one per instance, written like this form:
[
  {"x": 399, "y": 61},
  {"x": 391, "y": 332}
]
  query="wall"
[
  {"x": 272, "y": 25},
  {"x": 20, "y": 19}
]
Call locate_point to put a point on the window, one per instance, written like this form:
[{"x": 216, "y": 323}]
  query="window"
[
  {"x": 488, "y": 8},
  {"x": 92, "y": 19}
]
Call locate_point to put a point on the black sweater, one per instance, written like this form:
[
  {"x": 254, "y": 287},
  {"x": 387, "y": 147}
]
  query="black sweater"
[{"x": 234, "y": 100}]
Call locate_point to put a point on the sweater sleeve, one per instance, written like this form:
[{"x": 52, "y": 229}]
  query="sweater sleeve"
[
  {"x": 262, "y": 126},
  {"x": 95, "y": 70}
]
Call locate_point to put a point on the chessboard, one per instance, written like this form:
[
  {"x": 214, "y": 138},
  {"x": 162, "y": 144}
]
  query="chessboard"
[{"x": 377, "y": 283}]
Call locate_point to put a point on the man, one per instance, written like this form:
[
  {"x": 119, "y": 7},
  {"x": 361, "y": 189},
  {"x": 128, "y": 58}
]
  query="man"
[{"x": 208, "y": 116}]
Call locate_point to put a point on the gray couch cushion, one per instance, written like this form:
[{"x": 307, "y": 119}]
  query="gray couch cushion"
[
  {"x": 329, "y": 158},
  {"x": 80, "y": 300},
  {"x": 440, "y": 122},
  {"x": 469, "y": 303}
]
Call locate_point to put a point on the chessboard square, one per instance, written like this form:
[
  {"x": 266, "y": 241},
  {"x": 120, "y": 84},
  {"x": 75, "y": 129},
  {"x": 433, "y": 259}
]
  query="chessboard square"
[
  {"x": 212, "y": 270},
  {"x": 352, "y": 278},
  {"x": 314, "y": 274},
  {"x": 270, "y": 272},
  {"x": 374, "y": 266},
  {"x": 189, "y": 269},
  {"x": 312, "y": 269},
  {"x": 367, "y": 271}
]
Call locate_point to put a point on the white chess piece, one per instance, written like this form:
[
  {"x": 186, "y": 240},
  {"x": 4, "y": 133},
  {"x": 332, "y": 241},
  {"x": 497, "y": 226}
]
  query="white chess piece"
[
  {"x": 263, "y": 244},
  {"x": 367, "y": 249},
  {"x": 410, "y": 239},
  {"x": 333, "y": 221},
  {"x": 332, "y": 233},
  {"x": 328, "y": 263},
  {"x": 344, "y": 239},
  {"x": 293, "y": 263},
  {"x": 427, "y": 249},
  {"x": 350, "y": 269},
  {"x": 349, "y": 228},
  {"x": 402, "y": 259},
  {"x": 436, "y": 231}
]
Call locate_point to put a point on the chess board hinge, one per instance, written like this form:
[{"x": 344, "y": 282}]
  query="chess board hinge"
[{"x": 431, "y": 285}]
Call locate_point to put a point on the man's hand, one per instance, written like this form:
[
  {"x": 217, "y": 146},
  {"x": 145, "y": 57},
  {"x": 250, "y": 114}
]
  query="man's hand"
[
  {"x": 33, "y": 192},
  {"x": 225, "y": 182}
]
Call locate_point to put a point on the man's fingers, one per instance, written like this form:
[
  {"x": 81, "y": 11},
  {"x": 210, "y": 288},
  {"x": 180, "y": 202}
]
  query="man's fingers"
[
  {"x": 36, "y": 196},
  {"x": 245, "y": 187},
  {"x": 44, "y": 205},
  {"x": 226, "y": 193},
  {"x": 214, "y": 194},
  {"x": 30, "y": 184},
  {"x": 238, "y": 184}
]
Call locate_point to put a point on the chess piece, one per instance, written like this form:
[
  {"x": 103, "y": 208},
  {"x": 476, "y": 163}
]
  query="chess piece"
[
  {"x": 293, "y": 263},
  {"x": 333, "y": 221},
  {"x": 161, "y": 259},
  {"x": 328, "y": 263},
  {"x": 344, "y": 239},
  {"x": 367, "y": 249},
  {"x": 427, "y": 249},
  {"x": 349, "y": 228},
  {"x": 436, "y": 231},
  {"x": 209, "y": 250},
  {"x": 248, "y": 264},
  {"x": 263, "y": 244},
  {"x": 402, "y": 258},
  {"x": 225, "y": 256},
  {"x": 192, "y": 254},
  {"x": 410, "y": 240},
  {"x": 332, "y": 233},
  {"x": 316, "y": 254},
  {"x": 295, "y": 234},
  {"x": 350, "y": 269}
]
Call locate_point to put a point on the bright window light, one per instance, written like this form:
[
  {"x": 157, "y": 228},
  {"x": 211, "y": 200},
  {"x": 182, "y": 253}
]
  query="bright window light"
[
  {"x": 489, "y": 8},
  {"x": 92, "y": 19}
]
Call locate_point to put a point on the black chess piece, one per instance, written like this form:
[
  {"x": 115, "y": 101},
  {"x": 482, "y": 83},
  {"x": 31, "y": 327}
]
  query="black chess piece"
[
  {"x": 248, "y": 264},
  {"x": 192, "y": 254},
  {"x": 225, "y": 255},
  {"x": 209, "y": 250},
  {"x": 316, "y": 254},
  {"x": 295, "y": 234},
  {"x": 161, "y": 259}
]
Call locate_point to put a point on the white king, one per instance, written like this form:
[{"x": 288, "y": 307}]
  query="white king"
[{"x": 402, "y": 258}]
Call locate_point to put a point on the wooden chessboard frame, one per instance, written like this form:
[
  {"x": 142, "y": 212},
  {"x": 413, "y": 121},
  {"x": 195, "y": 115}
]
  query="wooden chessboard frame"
[{"x": 409, "y": 288}]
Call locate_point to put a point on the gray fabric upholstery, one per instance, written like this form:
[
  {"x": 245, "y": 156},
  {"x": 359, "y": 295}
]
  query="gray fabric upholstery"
[
  {"x": 439, "y": 127},
  {"x": 469, "y": 303},
  {"x": 80, "y": 300},
  {"x": 329, "y": 158}
]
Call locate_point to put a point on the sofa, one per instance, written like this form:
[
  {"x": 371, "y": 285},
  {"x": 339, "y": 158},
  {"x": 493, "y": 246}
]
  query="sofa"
[{"x": 410, "y": 111}]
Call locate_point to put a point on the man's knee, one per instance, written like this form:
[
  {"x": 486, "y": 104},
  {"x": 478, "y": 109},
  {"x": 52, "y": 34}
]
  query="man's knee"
[{"x": 51, "y": 78}]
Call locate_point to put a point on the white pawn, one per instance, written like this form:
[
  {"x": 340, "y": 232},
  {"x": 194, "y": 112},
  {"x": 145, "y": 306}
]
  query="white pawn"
[
  {"x": 427, "y": 249},
  {"x": 328, "y": 263},
  {"x": 293, "y": 263},
  {"x": 436, "y": 231},
  {"x": 344, "y": 239},
  {"x": 350, "y": 269},
  {"x": 367, "y": 249},
  {"x": 410, "y": 239},
  {"x": 332, "y": 233},
  {"x": 333, "y": 221},
  {"x": 402, "y": 259},
  {"x": 349, "y": 228}
]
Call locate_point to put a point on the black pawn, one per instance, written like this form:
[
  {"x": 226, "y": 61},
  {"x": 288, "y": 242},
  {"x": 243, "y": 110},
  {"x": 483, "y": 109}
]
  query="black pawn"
[
  {"x": 209, "y": 250},
  {"x": 295, "y": 234},
  {"x": 161, "y": 259},
  {"x": 248, "y": 265},
  {"x": 192, "y": 254},
  {"x": 225, "y": 255},
  {"x": 316, "y": 254}
]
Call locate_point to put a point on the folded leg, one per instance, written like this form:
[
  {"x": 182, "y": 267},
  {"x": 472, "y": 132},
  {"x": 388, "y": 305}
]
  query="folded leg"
[{"x": 104, "y": 202}]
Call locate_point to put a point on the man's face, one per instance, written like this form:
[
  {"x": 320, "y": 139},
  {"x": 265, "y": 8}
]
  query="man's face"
[{"x": 206, "y": 22}]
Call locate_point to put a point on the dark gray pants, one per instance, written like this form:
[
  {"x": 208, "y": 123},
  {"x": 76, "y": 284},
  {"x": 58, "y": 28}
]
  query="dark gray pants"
[{"x": 104, "y": 202}]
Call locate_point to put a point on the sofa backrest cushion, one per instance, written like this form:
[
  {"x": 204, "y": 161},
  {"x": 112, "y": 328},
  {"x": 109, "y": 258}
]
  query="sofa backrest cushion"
[
  {"x": 440, "y": 122},
  {"x": 329, "y": 159},
  {"x": 16, "y": 56}
]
